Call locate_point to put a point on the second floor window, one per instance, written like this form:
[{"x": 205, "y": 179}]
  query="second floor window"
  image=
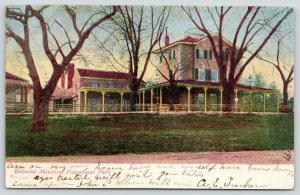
[
  {"x": 214, "y": 76},
  {"x": 199, "y": 74},
  {"x": 201, "y": 53}
]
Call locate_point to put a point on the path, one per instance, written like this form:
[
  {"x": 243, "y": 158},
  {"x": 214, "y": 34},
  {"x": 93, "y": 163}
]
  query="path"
[{"x": 242, "y": 157}]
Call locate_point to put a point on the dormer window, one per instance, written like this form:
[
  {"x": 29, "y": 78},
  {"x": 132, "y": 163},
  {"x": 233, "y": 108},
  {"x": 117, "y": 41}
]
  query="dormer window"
[
  {"x": 201, "y": 53},
  {"x": 172, "y": 55}
]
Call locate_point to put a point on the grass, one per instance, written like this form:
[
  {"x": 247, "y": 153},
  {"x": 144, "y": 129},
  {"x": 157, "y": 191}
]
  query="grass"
[{"x": 144, "y": 133}]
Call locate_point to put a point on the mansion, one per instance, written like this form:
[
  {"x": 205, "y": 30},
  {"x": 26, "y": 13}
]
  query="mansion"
[{"x": 197, "y": 78}]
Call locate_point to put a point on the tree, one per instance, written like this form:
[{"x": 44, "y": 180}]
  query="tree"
[
  {"x": 174, "y": 71},
  {"x": 58, "y": 55},
  {"x": 250, "y": 28},
  {"x": 285, "y": 70},
  {"x": 134, "y": 33}
]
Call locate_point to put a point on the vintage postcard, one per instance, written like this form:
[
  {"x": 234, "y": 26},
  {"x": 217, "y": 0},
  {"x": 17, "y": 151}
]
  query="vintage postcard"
[{"x": 122, "y": 96}]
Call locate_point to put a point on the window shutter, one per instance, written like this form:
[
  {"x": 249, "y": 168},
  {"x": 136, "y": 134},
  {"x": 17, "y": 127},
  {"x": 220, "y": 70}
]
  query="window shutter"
[
  {"x": 205, "y": 54},
  {"x": 197, "y": 53},
  {"x": 174, "y": 55},
  {"x": 196, "y": 74},
  {"x": 160, "y": 58},
  {"x": 210, "y": 54},
  {"x": 170, "y": 55}
]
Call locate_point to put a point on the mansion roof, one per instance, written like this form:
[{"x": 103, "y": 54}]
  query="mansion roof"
[
  {"x": 190, "y": 40},
  {"x": 218, "y": 84},
  {"x": 102, "y": 74}
]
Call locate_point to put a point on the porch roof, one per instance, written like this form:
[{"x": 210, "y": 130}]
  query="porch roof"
[
  {"x": 13, "y": 77},
  {"x": 208, "y": 84},
  {"x": 218, "y": 84}
]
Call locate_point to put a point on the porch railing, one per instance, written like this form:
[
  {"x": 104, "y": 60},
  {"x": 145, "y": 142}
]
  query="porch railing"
[{"x": 27, "y": 108}]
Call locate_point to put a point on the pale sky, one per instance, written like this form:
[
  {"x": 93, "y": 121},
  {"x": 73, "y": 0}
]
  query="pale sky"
[{"x": 178, "y": 25}]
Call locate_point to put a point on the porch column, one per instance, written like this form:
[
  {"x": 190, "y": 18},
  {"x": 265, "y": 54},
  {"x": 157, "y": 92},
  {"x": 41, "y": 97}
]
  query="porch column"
[
  {"x": 205, "y": 101},
  {"x": 103, "y": 101},
  {"x": 143, "y": 100},
  {"x": 235, "y": 99},
  {"x": 140, "y": 100},
  {"x": 189, "y": 98},
  {"x": 221, "y": 98},
  {"x": 250, "y": 96},
  {"x": 277, "y": 103},
  {"x": 26, "y": 94},
  {"x": 160, "y": 99},
  {"x": 151, "y": 101},
  {"x": 264, "y": 100},
  {"x": 121, "y": 103},
  {"x": 85, "y": 100}
]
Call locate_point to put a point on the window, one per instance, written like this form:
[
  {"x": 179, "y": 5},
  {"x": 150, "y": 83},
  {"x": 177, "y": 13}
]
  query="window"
[
  {"x": 202, "y": 54},
  {"x": 207, "y": 75},
  {"x": 160, "y": 58},
  {"x": 93, "y": 84},
  {"x": 214, "y": 76},
  {"x": 107, "y": 84},
  {"x": 201, "y": 75},
  {"x": 172, "y": 55}
]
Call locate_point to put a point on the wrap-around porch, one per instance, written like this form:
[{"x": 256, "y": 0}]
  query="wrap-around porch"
[{"x": 205, "y": 98}]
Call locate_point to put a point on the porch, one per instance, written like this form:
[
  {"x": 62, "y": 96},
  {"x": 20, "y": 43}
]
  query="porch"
[{"x": 189, "y": 98}]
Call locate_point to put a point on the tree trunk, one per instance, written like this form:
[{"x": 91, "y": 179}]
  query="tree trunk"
[
  {"x": 228, "y": 97},
  {"x": 285, "y": 94},
  {"x": 172, "y": 94},
  {"x": 40, "y": 115},
  {"x": 133, "y": 98}
]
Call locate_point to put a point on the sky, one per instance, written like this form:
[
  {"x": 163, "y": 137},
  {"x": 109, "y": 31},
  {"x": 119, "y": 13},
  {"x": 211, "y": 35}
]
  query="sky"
[{"x": 178, "y": 25}]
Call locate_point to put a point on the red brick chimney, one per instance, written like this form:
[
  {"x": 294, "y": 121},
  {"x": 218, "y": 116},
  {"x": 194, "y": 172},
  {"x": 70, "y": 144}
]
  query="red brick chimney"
[{"x": 167, "y": 39}]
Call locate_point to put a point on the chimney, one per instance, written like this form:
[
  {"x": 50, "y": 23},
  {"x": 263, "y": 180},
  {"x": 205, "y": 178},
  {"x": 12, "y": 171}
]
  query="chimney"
[{"x": 167, "y": 39}]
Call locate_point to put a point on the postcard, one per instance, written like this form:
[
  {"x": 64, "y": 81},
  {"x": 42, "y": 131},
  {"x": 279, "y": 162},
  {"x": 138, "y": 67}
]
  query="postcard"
[{"x": 169, "y": 97}]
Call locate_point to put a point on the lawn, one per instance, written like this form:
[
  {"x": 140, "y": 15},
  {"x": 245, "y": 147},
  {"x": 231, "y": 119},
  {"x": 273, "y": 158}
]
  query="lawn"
[{"x": 144, "y": 133}]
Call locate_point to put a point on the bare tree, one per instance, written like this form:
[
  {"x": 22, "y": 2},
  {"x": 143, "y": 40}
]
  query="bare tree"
[
  {"x": 174, "y": 71},
  {"x": 286, "y": 70},
  {"x": 58, "y": 55},
  {"x": 250, "y": 29},
  {"x": 136, "y": 31}
]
